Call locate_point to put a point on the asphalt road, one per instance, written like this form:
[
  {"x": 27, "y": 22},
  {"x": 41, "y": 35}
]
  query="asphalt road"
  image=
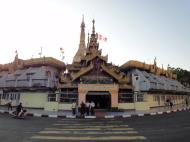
[{"x": 174, "y": 127}]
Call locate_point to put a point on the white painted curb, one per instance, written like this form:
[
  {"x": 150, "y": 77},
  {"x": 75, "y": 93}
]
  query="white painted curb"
[
  {"x": 37, "y": 114},
  {"x": 70, "y": 116},
  {"x": 141, "y": 114},
  {"x": 160, "y": 112},
  {"x": 52, "y": 116},
  {"x": 109, "y": 116},
  {"x": 91, "y": 117},
  {"x": 126, "y": 115},
  {"x": 153, "y": 113},
  {"x": 168, "y": 111}
]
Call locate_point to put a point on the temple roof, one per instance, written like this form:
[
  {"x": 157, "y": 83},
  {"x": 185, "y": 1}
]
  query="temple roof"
[
  {"x": 20, "y": 64},
  {"x": 152, "y": 68}
]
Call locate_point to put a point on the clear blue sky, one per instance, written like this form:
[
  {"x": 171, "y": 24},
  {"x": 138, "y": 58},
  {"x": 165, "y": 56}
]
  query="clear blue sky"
[{"x": 136, "y": 29}]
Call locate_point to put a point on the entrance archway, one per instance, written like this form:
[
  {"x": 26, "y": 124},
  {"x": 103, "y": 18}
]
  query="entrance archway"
[
  {"x": 101, "y": 99},
  {"x": 112, "y": 89}
]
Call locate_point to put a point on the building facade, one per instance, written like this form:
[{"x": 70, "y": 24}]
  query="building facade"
[
  {"x": 50, "y": 84},
  {"x": 29, "y": 81}
]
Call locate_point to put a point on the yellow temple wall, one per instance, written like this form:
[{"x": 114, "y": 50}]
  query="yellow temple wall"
[
  {"x": 126, "y": 106},
  {"x": 65, "y": 106},
  {"x": 135, "y": 106},
  {"x": 51, "y": 106},
  {"x": 156, "y": 100},
  {"x": 33, "y": 99},
  {"x": 150, "y": 101}
]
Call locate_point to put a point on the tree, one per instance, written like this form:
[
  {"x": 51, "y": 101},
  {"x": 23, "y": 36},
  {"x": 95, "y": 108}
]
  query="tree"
[{"x": 183, "y": 76}]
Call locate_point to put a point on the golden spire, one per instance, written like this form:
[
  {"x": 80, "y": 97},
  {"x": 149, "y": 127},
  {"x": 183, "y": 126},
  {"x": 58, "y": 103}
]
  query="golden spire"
[
  {"x": 93, "y": 28},
  {"x": 82, "y": 48},
  {"x": 82, "y": 34},
  {"x": 88, "y": 40}
]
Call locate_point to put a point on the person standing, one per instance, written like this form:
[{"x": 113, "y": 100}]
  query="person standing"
[
  {"x": 82, "y": 109},
  {"x": 171, "y": 104},
  {"x": 87, "y": 104},
  {"x": 92, "y": 105},
  {"x": 73, "y": 107},
  {"x": 187, "y": 101},
  {"x": 76, "y": 108},
  {"x": 10, "y": 107}
]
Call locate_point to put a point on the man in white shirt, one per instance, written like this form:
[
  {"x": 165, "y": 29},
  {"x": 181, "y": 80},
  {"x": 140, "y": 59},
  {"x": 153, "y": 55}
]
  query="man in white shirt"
[{"x": 92, "y": 105}]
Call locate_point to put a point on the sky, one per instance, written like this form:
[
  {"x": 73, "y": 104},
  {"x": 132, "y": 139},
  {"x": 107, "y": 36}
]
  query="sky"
[{"x": 135, "y": 29}]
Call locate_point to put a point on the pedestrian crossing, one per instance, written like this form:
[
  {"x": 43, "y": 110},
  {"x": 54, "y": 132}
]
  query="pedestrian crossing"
[{"x": 89, "y": 130}]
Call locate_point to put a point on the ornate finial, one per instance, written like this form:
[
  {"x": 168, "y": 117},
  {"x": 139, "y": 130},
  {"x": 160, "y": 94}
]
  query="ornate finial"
[
  {"x": 16, "y": 54},
  {"x": 88, "y": 37},
  {"x": 93, "y": 28},
  {"x": 155, "y": 61},
  {"x": 82, "y": 24}
]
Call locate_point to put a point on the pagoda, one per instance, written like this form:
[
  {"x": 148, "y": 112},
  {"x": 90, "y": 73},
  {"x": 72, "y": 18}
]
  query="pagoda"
[{"x": 90, "y": 77}]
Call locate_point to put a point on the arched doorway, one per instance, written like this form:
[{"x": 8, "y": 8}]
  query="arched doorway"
[{"x": 102, "y": 99}]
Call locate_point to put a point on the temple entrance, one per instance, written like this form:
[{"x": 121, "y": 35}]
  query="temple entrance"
[{"x": 102, "y": 99}]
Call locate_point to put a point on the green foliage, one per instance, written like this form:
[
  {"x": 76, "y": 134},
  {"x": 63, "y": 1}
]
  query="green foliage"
[{"x": 183, "y": 76}]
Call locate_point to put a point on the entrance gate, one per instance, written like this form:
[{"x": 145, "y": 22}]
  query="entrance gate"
[
  {"x": 107, "y": 93},
  {"x": 102, "y": 100}
]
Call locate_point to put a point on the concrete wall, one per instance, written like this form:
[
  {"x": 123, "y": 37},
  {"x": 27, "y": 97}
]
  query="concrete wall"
[{"x": 33, "y": 99}]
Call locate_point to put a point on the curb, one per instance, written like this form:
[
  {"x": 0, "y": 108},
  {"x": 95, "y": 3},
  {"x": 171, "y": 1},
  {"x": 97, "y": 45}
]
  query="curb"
[{"x": 106, "y": 116}]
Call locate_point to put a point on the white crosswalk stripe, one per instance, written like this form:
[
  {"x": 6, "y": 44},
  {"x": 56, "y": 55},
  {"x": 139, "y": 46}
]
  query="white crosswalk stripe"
[{"x": 72, "y": 130}]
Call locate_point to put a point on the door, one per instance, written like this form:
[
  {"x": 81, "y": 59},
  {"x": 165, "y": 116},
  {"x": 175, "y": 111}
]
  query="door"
[{"x": 102, "y": 100}]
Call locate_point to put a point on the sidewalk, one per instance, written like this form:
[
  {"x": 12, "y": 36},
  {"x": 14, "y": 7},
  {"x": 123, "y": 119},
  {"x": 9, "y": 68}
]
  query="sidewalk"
[{"x": 101, "y": 114}]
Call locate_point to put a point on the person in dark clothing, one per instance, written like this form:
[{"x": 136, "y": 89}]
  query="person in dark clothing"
[
  {"x": 171, "y": 104},
  {"x": 187, "y": 101},
  {"x": 82, "y": 109},
  {"x": 10, "y": 105},
  {"x": 19, "y": 108}
]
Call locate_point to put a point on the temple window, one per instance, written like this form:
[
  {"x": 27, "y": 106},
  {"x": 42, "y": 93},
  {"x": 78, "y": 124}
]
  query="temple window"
[
  {"x": 125, "y": 97},
  {"x": 29, "y": 75},
  {"x": 48, "y": 74},
  {"x": 140, "y": 97},
  {"x": 68, "y": 95},
  {"x": 51, "y": 97}
]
